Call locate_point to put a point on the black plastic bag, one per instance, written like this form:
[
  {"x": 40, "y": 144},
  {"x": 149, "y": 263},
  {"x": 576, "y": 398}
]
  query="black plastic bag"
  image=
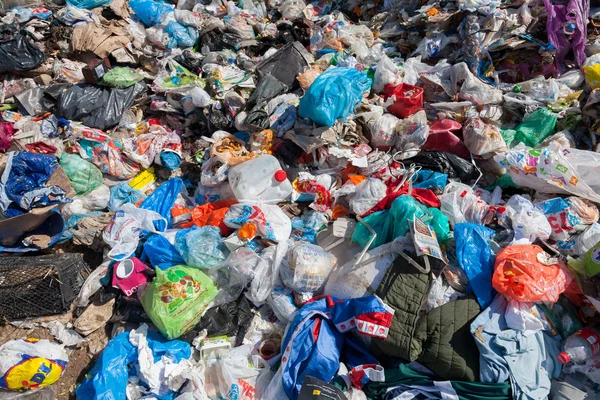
[
  {"x": 18, "y": 54},
  {"x": 257, "y": 118},
  {"x": 231, "y": 319},
  {"x": 95, "y": 106},
  {"x": 268, "y": 88},
  {"x": 446, "y": 163},
  {"x": 289, "y": 61}
]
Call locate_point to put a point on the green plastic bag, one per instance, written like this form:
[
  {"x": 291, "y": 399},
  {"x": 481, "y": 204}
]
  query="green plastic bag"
[
  {"x": 84, "y": 176},
  {"x": 393, "y": 223},
  {"x": 177, "y": 298},
  {"x": 536, "y": 128},
  {"x": 121, "y": 77}
]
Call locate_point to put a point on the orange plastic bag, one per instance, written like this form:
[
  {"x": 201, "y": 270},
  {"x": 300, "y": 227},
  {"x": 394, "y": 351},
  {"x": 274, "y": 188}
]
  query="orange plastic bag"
[
  {"x": 206, "y": 214},
  {"x": 527, "y": 273}
]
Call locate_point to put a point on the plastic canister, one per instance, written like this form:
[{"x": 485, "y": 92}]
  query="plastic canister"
[{"x": 260, "y": 178}]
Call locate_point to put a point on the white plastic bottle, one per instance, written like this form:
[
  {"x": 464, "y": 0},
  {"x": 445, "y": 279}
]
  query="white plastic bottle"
[
  {"x": 581, "y": 346},
  {"x": 260, "y": 179}
]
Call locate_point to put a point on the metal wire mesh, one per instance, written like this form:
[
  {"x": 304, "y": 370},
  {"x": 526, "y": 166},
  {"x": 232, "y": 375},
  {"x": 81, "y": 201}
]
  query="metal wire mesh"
[{"x": 39, "y": 286}]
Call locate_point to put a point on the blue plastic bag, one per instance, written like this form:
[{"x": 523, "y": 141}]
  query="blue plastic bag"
[
  {"x": 122, "y": 194},
  {"x": 476, "y": 259},
  {"x": 158, "y": 252},
  {"x": 150, "y": 12},
  {"x": 88, "y": 4},
  {"x": 201, "y": 247},
  {"x": 334, "y": 94},
  {"x": 163, "y": 198},
  {"x": 108, "y": 378},
  {"x": 427, "y": 179},
  {"x": 170, "y": 159},
  {"x": 181, "y": 36}
]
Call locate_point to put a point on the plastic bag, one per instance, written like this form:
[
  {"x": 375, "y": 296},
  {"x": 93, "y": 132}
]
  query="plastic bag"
[
  {"x": 366, "y": 196},
  {"x": 483, "y": 139},
  {"x": 18, "y": 54},
  {"x": 550, "y": 170},
  {"x": 460, "y": 204},
  {"x": 181, "y": 36},
  {"x": 141, "y": 356},
  {"x": 305, "y": 267},
  {"x": 31, "y": 364},
  {"x": 146, "y": 148},
  {"x": 526, "y": 273},
  {"x": 105, "y": 153},
  {"x": 537, "y": 127},
  {"x": 88, "y": 4},
  {"x": 150, "y": 12},
  {"x": 528, "y": 222},
  {"x": 201, "y": 247},
  {"x": 334, "y": 94},
  {"x": 232, "y": 375},
  {"x": 411, "y": 135},
  {"x": 405, "y": 99},
  {"x": 159, "y": 251},
  {"x": 383, "y": 131},
  {"x": 586, "y": 211},
  {"x": 122, "y": 194},
  {"x": 386, "y": 73},
  {"x": 84, "y": 176},
  {"x": 177, "y": 298},
  {"x": 476, "y": 259},
  {"x": 122, "y": 234},
  {"x": 447, "y": 163},
  {"x": 121, "y": 77},
  {"x": 163, "y": 199},
  {"x": 270, "y": 221}
]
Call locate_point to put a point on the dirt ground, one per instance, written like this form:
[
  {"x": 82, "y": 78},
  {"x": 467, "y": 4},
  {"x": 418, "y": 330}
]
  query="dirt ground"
[{"x": 79, "y": 360}]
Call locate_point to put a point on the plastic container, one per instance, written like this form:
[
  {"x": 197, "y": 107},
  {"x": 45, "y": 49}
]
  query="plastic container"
[
  {"x": 260, "y": 178},
  {"x": 581, "y": 346}
]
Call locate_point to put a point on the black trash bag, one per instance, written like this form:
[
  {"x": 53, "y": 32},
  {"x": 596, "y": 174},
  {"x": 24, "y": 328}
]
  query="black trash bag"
[
  {"x": 268, "y": 87},
  {"x": 218, "y": 121},
  {"x": 257, "y": 118},
  {"x": 95, "y": 106},
  {"x": 19, "y": 54},
  {"x": 288, "y": 153},
  {"x": 447, "y": 163},
  {"x": 231, "y": 319},
  {"x": 213, "y": 40},
  {"x": 287, "y": 63}
]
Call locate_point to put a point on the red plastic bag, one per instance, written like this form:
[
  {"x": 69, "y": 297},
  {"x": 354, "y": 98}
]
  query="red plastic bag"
[
  {"x": 408, "y": 99},
  {"x": 527, "y": 273}
]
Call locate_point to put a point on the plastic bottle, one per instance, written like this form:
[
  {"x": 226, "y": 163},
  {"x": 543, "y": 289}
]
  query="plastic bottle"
[
  {"x": 260, "y": 178},
  {"x": 581, "y": 346}
]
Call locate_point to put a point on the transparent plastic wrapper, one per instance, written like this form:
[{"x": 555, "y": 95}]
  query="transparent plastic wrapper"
[
  {"x": 461, "y": 204},
  {"x": 177, "y": 298},
  {"x": 528, "y": 222},
  {"x": 292, "y": 9},
  {"x": 383, "y": 131},
  {"x": 367, "y": 194},
  {"x": 334, "y": 94},
  {"x": 550, "y": 170},
  {"x": 84, "y": 176},
  {"x": 411, "y": 135},
  {"x": 483, "y": 139},
  {"x": 473, "y": 89},
  {"x": 281, "y": 301},
  {"x": 31, "y": 363},
  {"x": 526, "y": 273},
  {"x": 122, "y": 234},
  {"x": 305, "y": 267},
  {"x": 202, "y": 247}
]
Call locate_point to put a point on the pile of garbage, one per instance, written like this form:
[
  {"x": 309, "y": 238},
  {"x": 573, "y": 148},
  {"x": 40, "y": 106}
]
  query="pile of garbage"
[{"x": 285, "y": 199}]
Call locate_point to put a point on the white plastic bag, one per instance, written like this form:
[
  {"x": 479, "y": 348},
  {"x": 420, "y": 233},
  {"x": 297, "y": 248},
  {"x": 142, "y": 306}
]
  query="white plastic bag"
[
  {"x": 96, "y": 200},
  {"x": 231, "y": 376},
  {"x": 483, "y": 139},
  {"x": 122, "y": 234},
  {"x": 528, "y": 221},
  {"x": 383, "y": 131},
  {"x": 411, "y": 135},
  {"x": 460, "y": 204},
  {"x": 367, "y": 194},
  {"x": 386, "y": 73}
]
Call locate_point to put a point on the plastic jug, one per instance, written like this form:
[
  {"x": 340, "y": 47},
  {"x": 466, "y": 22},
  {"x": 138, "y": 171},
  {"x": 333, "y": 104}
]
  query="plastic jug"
[
  {"x": 581, "y": 346},
  {"x": 260, "y": 178}
]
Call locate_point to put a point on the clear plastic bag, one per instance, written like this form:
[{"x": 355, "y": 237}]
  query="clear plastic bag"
[
  {"x": 366, "y": 196},
  {"x": 305, "y": 267},
  {"x": 202, "y": 247},
  {"x": 483, "y": 139}
]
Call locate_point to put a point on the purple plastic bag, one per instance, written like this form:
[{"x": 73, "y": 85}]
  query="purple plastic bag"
[{"x": 566, "y": 27}]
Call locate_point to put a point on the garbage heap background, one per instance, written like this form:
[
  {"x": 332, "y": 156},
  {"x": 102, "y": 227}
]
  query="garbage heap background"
[{"x": 286, "y": 200}]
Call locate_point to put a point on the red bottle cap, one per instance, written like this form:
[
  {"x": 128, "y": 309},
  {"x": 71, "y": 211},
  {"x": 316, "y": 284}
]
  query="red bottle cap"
[
  {"x": 280, "y": 175},
  {"x": 563, "y": 358}
]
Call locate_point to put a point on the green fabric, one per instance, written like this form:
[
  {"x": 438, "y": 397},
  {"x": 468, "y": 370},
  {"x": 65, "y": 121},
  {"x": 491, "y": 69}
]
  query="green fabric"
[
  {"x": 406, "y": 375},
  {"x": 448, "y": 348},
  {"x": 404, "y": 289},
  {"x": 536, "y": 128}
]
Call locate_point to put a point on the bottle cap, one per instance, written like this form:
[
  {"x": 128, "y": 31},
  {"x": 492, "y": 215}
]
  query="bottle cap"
[
  {"x": 280, "y": 175},
  {"x": 564, "y": 358}
]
